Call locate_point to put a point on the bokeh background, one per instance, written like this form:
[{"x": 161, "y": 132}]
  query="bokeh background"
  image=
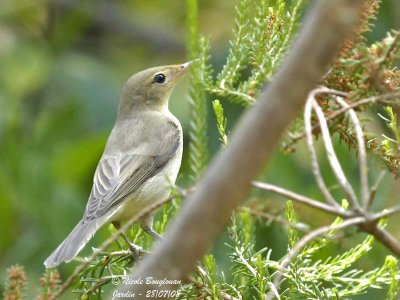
[{"x": 62, "y": 65}]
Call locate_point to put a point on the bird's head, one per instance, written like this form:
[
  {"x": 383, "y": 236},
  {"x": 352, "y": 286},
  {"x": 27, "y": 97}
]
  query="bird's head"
[{"x": 151, "y": 88}]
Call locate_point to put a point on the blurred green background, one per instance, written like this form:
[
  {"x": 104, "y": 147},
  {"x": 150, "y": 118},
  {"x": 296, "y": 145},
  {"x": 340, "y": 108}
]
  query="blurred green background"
[{"x": 62, "y": 64}]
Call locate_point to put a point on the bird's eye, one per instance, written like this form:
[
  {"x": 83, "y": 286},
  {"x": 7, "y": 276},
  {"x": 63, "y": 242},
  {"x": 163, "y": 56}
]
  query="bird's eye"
[{"x": 159, "y": 78}]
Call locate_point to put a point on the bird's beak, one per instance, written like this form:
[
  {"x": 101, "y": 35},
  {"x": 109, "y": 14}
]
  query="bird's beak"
[
  {"x": 182, "y": 69},
  {"x": 186, "y": 65}
]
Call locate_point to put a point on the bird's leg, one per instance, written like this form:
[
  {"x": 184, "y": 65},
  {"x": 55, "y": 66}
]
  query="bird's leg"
[
  {"x": 147, "y": 227},
  {"x": 135, "y": 249}
]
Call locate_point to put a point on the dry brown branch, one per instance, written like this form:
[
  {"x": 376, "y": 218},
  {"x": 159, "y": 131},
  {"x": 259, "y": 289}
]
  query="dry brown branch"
[{"x": 228, "y": 179}]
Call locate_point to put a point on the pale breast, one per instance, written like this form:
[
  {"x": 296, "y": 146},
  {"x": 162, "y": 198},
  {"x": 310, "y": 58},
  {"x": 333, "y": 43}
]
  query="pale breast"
[{"x": 156, "y": 188}]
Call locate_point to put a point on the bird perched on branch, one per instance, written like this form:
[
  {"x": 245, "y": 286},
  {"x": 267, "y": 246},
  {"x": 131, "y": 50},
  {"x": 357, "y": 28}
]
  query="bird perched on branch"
[{"x": 141, "y": 159}]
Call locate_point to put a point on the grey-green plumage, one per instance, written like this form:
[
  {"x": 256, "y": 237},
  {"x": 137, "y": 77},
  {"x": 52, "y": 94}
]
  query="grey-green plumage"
[{"x": 141, "y": 159}]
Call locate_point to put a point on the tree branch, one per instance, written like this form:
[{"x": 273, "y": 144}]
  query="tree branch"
[
  {"x": 228, "y": 179},
  {"x": 332, "y": 157},
  {"x": 335, "y": 210},
  {"x": 362, "y": 154},
  {"x": 383, "y": 236},
  {"x": 311, "y": 149}
]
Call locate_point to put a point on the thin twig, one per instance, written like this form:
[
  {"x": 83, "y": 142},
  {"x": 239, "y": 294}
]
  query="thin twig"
[
  {"x": 362, "y": 154},
  {"x": 332, "y": 158},
  {"x": 374, "y": 189},
  {"x": 338, "y": 211},
  {"x": 388, "y": 212},
  {"x": 313, "y": 154},
  {"x": 115, "y": 253},
  {"x": 303, "y": 242}
]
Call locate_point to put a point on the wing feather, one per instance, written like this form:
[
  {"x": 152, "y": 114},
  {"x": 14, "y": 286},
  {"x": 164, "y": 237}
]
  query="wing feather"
[{"x": 117, "y": 176}]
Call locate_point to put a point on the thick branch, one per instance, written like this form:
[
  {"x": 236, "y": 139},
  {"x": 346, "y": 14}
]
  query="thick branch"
[
  {"x": 384, "y": 237},
  {"x": 228, "y": 179}
]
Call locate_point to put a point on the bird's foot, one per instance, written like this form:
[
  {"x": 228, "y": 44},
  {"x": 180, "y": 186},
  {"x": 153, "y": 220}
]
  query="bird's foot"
[
  {"x": 149, "y": 230},
  {"x": 136, "y": 251}
]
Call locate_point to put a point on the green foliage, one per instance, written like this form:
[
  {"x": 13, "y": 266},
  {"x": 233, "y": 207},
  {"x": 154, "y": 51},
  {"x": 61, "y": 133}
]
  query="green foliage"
[
  {"x": 391, "y": 123},
  {"x": 198, "y": 49},
  {"x": 363, "y": 70},
  {"x": 337, "y": 277},
  {"x": 261, "y": 38},
  {"x": 221, "y": 121},
  {"x": 307, "y": 277},
  {"x": 388, "y": 148},
  {"x": 293, "y": 236},
  {"x": 391, "y": 262}
]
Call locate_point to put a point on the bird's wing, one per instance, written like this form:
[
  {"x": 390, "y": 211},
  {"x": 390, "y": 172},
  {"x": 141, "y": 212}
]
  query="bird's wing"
[{"x": 119, "y": 175}]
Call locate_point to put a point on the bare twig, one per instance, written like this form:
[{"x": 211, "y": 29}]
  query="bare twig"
[
  {"x": 374, "y": 189},
  {"x": 228, "y": 179},
  {"x": 335, "y": 210},
  {"x": 362, "y": 154},
  {"x": 332, "y": 158},
  {"x": 385, "y": 213},
  {"x": 311, "y": 149}
]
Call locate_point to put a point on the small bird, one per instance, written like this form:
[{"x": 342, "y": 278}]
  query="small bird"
[{"x": 141, "y": 159}]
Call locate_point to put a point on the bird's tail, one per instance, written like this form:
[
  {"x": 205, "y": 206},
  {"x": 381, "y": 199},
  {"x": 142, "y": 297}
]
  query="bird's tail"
[{"x": 73, "y": 244}]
